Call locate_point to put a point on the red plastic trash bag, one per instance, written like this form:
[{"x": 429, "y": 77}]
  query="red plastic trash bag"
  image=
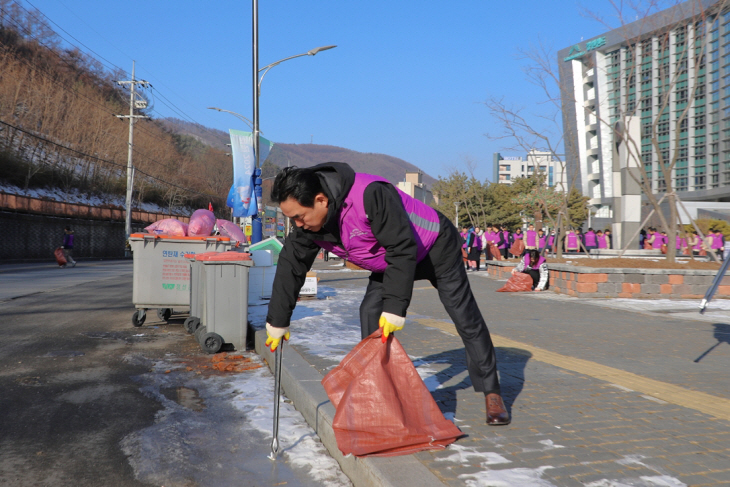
[
  {"x": 494, "y": 252},
  {"x": 60, "y": 256},
  {"x": 201, "y": 223},
  {"x": 517, "y": 248},
  {"x": 168, "y": 226},
  {"x": 518, "y": 282},
  {"x": 383, "y": 406}
]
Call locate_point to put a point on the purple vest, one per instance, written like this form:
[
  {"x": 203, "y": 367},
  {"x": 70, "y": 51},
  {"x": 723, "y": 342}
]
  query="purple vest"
[
  {"x": 526, "y": 261},
  {"x": 551, "y": 240},
  {"x": 359, "y": 245},
  {"x": 602, "y": 243},
  {"x": 590, "y": 239},
  {"x": 476, "y": 240},
  {"x": 698, "y": 245},
  {"x": 543, "y": 240},
  {"x": 658, "y": 241},
  {"x": 518, "y": 236},
  {"x": 505, "y": 240},
  {"x": 572, "y": 240},
  {"x": 716, "y": 241},
  {"x": 531, "y": 238}
]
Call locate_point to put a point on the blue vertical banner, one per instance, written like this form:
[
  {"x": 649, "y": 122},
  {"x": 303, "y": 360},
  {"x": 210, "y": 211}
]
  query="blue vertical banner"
[{"x": 242, "y": 197}]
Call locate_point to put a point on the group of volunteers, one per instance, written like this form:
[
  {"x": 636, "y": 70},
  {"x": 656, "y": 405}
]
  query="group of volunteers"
[
  {"x": 685, "y": 241},
  {"x": 576, "y": 240},
  {"x": 531, "y": 259},
  {"x": 477, "y": 241}
]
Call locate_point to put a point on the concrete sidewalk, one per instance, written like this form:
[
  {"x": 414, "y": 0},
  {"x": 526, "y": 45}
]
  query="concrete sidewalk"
[{"x": 600, "y": 396}]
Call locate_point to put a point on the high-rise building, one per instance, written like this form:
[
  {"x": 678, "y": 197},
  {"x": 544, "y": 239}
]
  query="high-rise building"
[
  {"x": 665, "y": 80},
  {"x": 507, "y": 169},
  {"x": 414, "y": 187}
]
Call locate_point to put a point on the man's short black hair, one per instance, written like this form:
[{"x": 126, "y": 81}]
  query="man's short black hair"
[{"x": 302, "y": 184}]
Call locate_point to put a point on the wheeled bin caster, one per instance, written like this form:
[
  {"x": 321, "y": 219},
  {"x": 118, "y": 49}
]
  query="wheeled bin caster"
[
  {"x": 211, "y": 342},
  {"x": 138, "y": 317},
  {"x": 200, "y": 332},
  {"x": 164, "y": 313},
  {"x": 191, "y": 324}
]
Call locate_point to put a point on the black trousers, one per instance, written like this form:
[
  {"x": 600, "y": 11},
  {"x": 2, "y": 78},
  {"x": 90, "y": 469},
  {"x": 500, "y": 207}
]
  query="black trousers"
[{"x": 443, "y": 267}]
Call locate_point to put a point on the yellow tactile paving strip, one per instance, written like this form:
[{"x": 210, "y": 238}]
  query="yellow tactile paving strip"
[{"x": 698, "y": 401}]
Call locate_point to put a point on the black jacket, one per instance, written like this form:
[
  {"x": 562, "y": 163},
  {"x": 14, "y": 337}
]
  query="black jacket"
[{"x": 390, "y": 226}]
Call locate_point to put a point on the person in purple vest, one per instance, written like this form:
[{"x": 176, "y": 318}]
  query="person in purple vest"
[
  {"x": 541, "y": 240},
  {"x": 504, "y": 241},
  {"x": 535, "y": 265},
  {"x": 473, "y": 249},
  {"x": 590, "y": 240},
  {"x": 530, "y": 237},
  {"x": 601, "y": 239},
  {"x": 399, "y": 239},
  {"x": 571, "y": 242},
  {"x": 718, "y": 243},
  {"x": 517, "y": 235}
]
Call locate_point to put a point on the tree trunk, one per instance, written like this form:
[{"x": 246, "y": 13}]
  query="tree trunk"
[
  {"x": 538, "y": 219},
  {"x": 672, "y": 230}
]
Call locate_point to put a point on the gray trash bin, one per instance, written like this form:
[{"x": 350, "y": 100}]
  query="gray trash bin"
[
  {"x": 197, "y": 291},
  {"x": 224, "y": 300},
  {"x": 161, "y": 272}
]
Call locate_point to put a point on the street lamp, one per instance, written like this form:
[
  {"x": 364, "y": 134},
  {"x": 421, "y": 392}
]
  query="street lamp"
[
  {"x": 256, "y": 230},
  {"x": 241, "y": 117},
  {"x": 457, "y": 214}
]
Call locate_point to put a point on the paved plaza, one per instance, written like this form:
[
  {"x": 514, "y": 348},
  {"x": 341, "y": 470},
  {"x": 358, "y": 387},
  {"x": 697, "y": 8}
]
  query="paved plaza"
[{"x": 602, "y": 393}]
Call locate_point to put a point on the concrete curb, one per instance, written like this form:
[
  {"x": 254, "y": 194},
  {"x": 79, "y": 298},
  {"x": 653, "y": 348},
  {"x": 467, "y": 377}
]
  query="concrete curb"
[{"x": 302, "y": 383}]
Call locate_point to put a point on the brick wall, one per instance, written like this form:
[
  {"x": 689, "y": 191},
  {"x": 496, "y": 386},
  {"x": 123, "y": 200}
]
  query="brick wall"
[
  {"x": 624, "y": 283},
  {"x": 28, "y": 237}
]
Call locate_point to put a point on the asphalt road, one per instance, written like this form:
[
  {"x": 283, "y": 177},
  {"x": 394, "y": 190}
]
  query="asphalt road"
[
  {"x": 67, "y": 394},
  {"x": 87, "y": 399}
]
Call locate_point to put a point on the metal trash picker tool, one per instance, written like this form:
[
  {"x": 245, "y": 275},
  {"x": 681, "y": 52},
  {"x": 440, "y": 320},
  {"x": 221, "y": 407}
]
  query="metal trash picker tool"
[
  {"x": 713, "y": 287},
  {"x": 277, "y": 393}
]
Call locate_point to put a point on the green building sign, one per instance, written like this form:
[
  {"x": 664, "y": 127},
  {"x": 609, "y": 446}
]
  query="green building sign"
[{"x": 576, "y": 52}]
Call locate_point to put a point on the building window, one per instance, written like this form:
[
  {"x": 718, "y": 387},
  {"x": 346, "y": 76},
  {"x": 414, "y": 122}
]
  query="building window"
[{"x": 504, "y": 167}]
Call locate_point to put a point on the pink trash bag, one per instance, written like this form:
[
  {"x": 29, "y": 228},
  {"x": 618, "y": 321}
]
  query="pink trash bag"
[
  {"x": 201, "y": 223},
  {"x": 231, "y": 230},
  {"x": 383, "y": 406},
  {"x": 168, "y": 226},
  {"x": 519, "y": 281}
]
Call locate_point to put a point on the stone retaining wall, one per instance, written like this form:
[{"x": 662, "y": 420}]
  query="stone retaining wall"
[{"x": 592, "y": 282}]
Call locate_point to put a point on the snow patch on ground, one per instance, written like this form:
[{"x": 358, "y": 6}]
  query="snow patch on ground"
[
  {"x": 74, "y": 196},
  {"x": 644, "y": 481},
  {"x": 229, "y": 438},
  {"x": 524, "y": 477},
  {"x": 546, "y": 445},
  {"x": 464, "y": 455}
]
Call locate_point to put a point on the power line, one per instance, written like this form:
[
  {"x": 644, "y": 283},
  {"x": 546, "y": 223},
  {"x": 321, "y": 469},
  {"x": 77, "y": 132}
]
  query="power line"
[
  {"x": 27, "y": 32},
  {"x": 111, "y": 65}
]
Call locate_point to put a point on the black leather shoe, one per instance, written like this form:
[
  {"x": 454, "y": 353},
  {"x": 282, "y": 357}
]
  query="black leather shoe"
[{"x": 496, "y": 412}]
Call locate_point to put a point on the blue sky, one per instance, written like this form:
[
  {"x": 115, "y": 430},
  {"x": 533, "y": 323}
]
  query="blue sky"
[{"x": 407, "y": 79}]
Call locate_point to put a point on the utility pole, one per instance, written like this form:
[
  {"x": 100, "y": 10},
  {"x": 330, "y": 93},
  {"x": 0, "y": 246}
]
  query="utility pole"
[{"x": 130, "y": 168}]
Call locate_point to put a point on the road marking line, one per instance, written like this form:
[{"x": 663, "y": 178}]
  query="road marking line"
[{"x": 699, "y": 401}]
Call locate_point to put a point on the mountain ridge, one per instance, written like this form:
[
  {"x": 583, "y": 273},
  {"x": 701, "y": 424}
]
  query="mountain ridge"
[{"x": 307, "y": 155}]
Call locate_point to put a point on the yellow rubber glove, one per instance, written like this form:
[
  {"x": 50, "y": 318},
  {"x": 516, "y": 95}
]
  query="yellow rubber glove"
[
  {"x": 274, "y": 336},
  {"x": 390, "y": 323}
]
